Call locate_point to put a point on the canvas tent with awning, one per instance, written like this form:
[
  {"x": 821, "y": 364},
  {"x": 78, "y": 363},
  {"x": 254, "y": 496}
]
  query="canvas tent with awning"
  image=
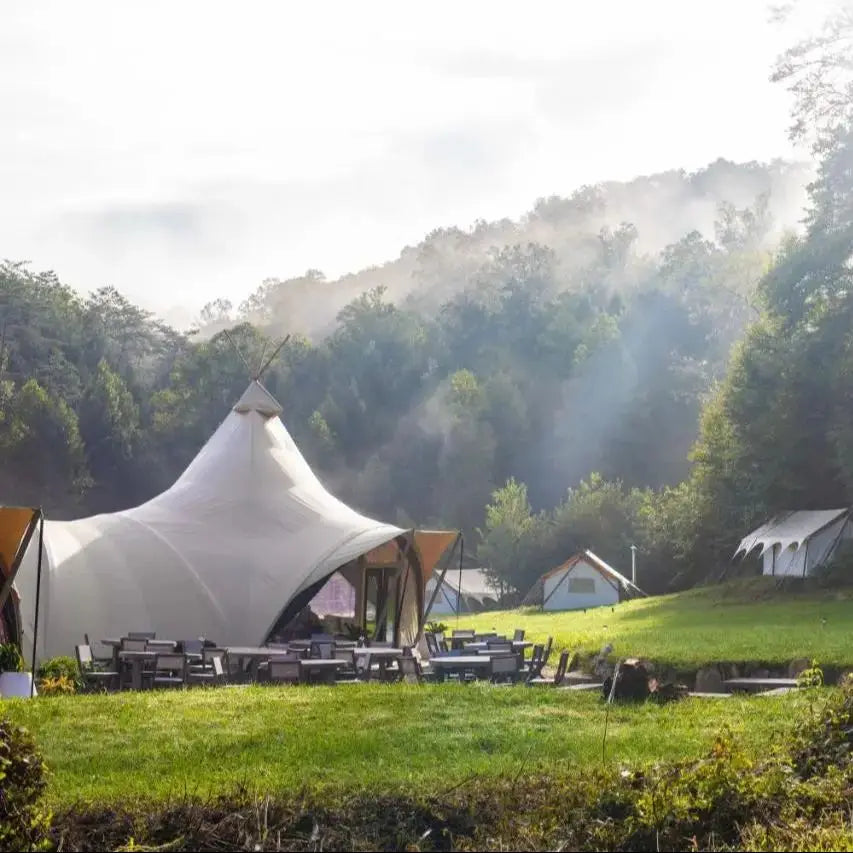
[
  {"x": 797, "y": 544},
  {"x": 245, "y": 537},
  {"x": 584, "y": 580}
]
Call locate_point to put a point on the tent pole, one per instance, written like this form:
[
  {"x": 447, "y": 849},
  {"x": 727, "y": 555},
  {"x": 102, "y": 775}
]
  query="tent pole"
[
  {"x": 459, "y": 587},
  {"x": 440, "y": 581},
  {"x": 410, "y": 540},
  {"x": 38, "y": 596}
]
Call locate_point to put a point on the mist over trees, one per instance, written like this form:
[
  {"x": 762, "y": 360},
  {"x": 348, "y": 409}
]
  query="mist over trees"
[
  {"x": 661, "y": 363},
  {"x": 543, "y": 362}
]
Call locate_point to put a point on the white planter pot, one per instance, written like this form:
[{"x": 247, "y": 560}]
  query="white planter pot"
[{"x": 16, "y": 684}]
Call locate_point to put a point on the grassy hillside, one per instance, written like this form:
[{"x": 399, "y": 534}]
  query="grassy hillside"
[
  {"x": 363, "y": 737},
  {"x": 742, "y": 621}
]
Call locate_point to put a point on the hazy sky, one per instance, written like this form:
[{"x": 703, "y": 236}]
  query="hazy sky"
[{"x": 183, "y": 151}]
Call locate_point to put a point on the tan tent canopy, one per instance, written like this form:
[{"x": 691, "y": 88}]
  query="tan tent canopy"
[{"x": 17, "y": 527}]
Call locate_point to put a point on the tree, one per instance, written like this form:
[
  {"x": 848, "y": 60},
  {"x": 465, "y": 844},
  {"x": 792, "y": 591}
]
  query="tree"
[{"x": 507, "y": 540}]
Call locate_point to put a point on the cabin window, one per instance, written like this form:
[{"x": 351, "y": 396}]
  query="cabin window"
[{"x": 582, "y": 585}]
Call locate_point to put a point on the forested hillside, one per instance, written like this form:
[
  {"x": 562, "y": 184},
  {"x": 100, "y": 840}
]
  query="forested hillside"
[
  {"x": 539, "y": 383},
  {"x": 539, "y": 361}
]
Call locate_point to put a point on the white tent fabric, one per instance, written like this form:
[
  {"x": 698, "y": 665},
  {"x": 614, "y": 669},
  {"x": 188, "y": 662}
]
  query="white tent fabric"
[
  {"x": 787, "y": 529},
  {"x": 476, "y": 587},
  {"x": 246, "y": 527}
]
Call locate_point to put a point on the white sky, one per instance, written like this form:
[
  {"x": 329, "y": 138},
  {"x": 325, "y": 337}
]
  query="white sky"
[{"x": 184, "y": 151}]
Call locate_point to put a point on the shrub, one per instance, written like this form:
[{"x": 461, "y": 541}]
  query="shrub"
[
  {"x": 59, "y": 674},
  {"x": 10, "y": 658},
  {"x": 436, "y": 627},
  {"x": 23, "y": 821},
  {"x": 57, "y": 685}
]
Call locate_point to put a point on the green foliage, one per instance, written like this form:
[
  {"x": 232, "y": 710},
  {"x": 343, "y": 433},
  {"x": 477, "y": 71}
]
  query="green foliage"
[
  {"x": 62, "y": 671},
  {"x": 10, "y": 658},
  {"x": 811, "y": 677},
  {"x": 23, "y": 820},
  {"x": 57, "y": 685},
  {"x": 262, "y": 738},
  {"x": 437, "y": 627},
  {"x": 735, "y": 792}
]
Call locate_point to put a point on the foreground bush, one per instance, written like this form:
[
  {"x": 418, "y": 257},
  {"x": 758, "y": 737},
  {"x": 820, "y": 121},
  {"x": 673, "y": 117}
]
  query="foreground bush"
[
  {"x": 59, "y": 675},
  {"x": 23, "y": 821},
  {"x": 797, "y": 799}
]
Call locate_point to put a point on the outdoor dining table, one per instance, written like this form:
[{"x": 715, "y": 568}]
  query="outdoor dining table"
[
  {"x": 254, "y": 655},
  {"x": 115, "y": 643},
  {"x": 304, "y": 645},
  {"x": 166, "y": 645},
  {"x": 517, "y": 646},
  {"x": 459, "y": 663},
  {"x": 136, "y": 660},
  {"x": 383, "y": 655}
]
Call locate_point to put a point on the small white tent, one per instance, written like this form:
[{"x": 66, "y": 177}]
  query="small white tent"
[
  {"x": 477, "y": 590},
  {"x": 796, "y": 544},
  {"x": 584, "y": 580},
  {"x": 246, "y": 535}
]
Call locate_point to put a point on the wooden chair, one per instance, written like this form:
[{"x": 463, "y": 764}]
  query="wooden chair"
[
  {"x": 208, "y": 655},
  {"x": 431, "y": 644},
  {"x": 142, "y": 635},
  {"x": 170, "y": 670},
  {"x": 500, "y": 647},
  {"x": 215, "y": 675},
  {"x": 99, "y": 660},
  {"x": 518, "y": 636},
  {"x": 503, "y": 669},
  {"x": 91, "y": 674},
  {"x": 546, "y": 654},
  {"x": 410, "y": 670},
  {"x": 534, "y": 666},
  {"x": 557, "y": 680},
  {"x": 322, "y": 649}
]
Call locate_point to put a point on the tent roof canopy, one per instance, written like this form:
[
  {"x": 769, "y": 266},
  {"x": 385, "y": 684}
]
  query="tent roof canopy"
[
  {"x": 245, "y": 530},
  {"x": 789, "y": 528},
  {"x": 256, "y": 398}
]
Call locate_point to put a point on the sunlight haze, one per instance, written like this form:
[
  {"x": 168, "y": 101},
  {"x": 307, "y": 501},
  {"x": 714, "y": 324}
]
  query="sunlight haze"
[{"x": 182, "y": 152}]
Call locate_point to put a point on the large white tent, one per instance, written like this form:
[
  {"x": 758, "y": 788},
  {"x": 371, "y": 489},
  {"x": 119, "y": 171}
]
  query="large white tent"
[{"x": 246, "y": 530}]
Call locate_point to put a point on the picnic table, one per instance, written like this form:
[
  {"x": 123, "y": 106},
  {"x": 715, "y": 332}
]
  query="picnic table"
[
  {"x": 517, "y": 645},
  {"x": 459, "y": 663},
  {"x": 115, "y": 644},
  {"x": 254, "y": 655},
  {"x": 383, "y": 655},
  {"x": 136, "y": 661},
  {"x": 324, "y": 667}
]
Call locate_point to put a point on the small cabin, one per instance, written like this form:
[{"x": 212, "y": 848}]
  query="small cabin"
[{"x": 798, "y": 544}]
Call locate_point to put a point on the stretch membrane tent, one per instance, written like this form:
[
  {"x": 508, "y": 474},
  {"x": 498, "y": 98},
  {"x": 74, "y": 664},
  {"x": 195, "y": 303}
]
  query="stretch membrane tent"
[{"x": 243, "y": 539}]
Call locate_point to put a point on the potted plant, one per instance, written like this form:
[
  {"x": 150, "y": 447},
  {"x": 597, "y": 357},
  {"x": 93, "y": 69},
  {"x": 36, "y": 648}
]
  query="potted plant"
[{"x": 13, "y": 680}]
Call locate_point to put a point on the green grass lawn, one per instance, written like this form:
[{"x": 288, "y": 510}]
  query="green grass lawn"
[
  {"x": 157, "y": 745},
  {"x": 750, "y": 621}
]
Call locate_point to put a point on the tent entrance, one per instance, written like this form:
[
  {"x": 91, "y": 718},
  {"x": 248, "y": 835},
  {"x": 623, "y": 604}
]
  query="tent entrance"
[{"x": 380, "y": 603}]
